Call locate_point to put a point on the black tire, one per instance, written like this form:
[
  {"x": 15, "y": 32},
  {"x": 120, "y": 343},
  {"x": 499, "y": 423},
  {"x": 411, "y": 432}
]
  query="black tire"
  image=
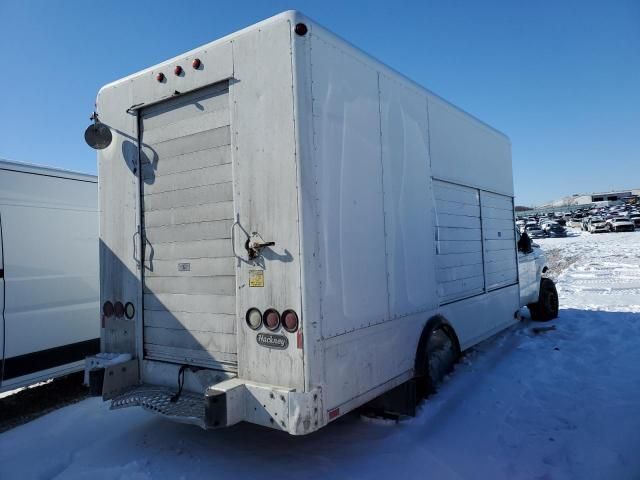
[
  {"x": 438, "y": 353},
  {"x": 547, "y": 306}
]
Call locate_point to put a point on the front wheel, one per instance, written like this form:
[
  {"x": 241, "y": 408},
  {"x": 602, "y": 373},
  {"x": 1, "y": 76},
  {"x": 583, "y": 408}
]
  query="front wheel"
[{"x": 547, "y": 306}]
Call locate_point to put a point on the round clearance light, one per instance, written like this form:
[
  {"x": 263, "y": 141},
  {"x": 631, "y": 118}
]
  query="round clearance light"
[
  {"x": 301, "y": 29},
  {"x": 160, "y": 77},
  {"x": 196, "y": 63},
  {"x": 119, "y": 309},
  {"x": 271, "y": 319},
  {"x": 290, "y": 321},
  {"x": 254, "y": 318},
  {"x": 107, "y": 309},
  {"x": 177, "y": 70},
  {"x": 129, "y": 310}
]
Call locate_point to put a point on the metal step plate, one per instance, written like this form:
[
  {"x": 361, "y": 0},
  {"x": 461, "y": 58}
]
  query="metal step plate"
[{"x": 188, "y": 409}]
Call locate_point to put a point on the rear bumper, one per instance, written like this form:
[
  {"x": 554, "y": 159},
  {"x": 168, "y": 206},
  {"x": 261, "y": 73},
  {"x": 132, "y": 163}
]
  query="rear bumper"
[{"x": 230, "y": 402}]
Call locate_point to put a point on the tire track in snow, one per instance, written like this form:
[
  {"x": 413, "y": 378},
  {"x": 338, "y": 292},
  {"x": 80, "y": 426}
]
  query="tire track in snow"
[{"x": 599, "y": 272}]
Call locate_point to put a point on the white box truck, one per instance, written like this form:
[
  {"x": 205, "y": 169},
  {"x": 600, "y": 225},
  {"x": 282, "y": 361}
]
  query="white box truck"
[
  {"x": 48, "y": 273},
  {"x": 290, "y": 229}
]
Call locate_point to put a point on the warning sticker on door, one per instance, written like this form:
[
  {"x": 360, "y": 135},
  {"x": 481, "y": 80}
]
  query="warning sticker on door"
[{"x": 256, "y": 278}]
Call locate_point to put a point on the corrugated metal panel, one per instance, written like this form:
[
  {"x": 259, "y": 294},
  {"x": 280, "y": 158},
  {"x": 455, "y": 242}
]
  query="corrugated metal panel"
[
  {"x": 207, "y": 194},
  {"x": 186, "y": 232},
  {"x": 181, "y": 215},
  {"x": 187, "y": 162},
  {"x": 499, "y": 240},
  {"x": 199, "y": 249},
  {"x": 459, "y": 266},
  {"x": 187, "y": 197}
]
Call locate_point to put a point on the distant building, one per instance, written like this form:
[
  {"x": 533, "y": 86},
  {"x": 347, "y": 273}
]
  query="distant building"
[
  {"x": 585, "y": 200},
  {"x": 610, "y": 196}
]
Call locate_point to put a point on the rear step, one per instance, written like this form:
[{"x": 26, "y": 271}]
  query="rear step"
[{"x": 189, "y": 407}]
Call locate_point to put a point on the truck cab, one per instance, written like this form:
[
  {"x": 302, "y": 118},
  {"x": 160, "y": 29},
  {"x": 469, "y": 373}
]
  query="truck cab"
[{"x": 536, "y": 291}]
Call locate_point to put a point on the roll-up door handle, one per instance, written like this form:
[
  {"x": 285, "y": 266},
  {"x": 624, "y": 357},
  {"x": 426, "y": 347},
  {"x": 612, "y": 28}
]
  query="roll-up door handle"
[
  {"x": 135, "y": 248},
  {"x": 233, "y": 236}
]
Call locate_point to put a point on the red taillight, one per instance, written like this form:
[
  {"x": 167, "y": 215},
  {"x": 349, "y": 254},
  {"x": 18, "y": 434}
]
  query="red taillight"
[
  {"x": 118, "y": 308},
  {"x": 107, "y": 309},
  {"x": 271, "y": 319},
  {"x": 177, "y": 70},
  {"x": 301, "y": 29},
  {"x": 160, "y": 77},
  {"x": 196, "y": 63},
  {"x": 290, "y": 321}
]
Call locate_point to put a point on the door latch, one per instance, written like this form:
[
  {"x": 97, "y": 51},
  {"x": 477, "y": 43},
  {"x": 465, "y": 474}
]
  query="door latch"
[{"x": 254, "y": 247}]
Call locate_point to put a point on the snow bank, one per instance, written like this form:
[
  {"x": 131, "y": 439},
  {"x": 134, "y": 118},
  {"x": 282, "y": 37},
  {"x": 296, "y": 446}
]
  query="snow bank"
[{"x": 559, "y": 404}]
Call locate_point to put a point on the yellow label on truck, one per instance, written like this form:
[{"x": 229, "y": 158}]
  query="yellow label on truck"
[{"x": 256, "y": 278}]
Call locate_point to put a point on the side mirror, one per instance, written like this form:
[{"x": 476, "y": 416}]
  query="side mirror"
[
  {"x": 98, "y": 135},
  {"x": 524, "y": 244}
]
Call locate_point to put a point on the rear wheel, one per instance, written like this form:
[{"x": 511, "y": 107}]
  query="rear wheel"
[
  {"x": 547, "y": 306},
  {"x": 439, "y": 353},
  {"x": 442, "y": 355}
]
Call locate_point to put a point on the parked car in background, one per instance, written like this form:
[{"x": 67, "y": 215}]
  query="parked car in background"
[
  {"x": 596, "y": 225},
  {"x": 534, "y": 231},
  {"x": 576, "y": 222},
  {"x": 544, "y": 222},
  {"x": 556, "y": 230},
  {"x": 530, "y": 223},
  {"x": 620, "y": 224},
  {"x": 635, "y": 218}
]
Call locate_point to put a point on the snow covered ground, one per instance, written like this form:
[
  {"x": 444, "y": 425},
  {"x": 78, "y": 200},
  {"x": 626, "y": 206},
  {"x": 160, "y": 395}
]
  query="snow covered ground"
[{"x": 560, "y": 404}]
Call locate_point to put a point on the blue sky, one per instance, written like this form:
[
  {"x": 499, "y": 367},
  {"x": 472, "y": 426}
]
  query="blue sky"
[{"x": 561, "y": 78}]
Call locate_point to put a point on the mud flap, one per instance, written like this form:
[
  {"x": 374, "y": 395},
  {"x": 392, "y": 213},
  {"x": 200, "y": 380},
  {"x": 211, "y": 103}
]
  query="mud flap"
[{"x": 397, "y": 402}]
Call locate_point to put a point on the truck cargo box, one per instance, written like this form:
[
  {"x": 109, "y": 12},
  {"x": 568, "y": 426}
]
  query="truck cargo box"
[{"x": 283, "y": 218}]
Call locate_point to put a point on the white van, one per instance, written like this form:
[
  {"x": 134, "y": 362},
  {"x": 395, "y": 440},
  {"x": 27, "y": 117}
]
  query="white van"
[
  {"x": 48, "y": 272},
  {"x": 290, "y": 229}
]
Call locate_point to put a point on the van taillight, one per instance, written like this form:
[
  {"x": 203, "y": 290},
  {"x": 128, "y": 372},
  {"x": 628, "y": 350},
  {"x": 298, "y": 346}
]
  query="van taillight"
[
  {"x": 107, "y": 309},
  {"x": 271, "y": 319},
  {"x": 290, "y": 321},
  {"x": 118, "y": 308}
]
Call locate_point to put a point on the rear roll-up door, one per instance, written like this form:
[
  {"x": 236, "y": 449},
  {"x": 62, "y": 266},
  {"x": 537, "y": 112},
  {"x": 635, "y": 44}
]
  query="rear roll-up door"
[{"x": 187, "y": 199}]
